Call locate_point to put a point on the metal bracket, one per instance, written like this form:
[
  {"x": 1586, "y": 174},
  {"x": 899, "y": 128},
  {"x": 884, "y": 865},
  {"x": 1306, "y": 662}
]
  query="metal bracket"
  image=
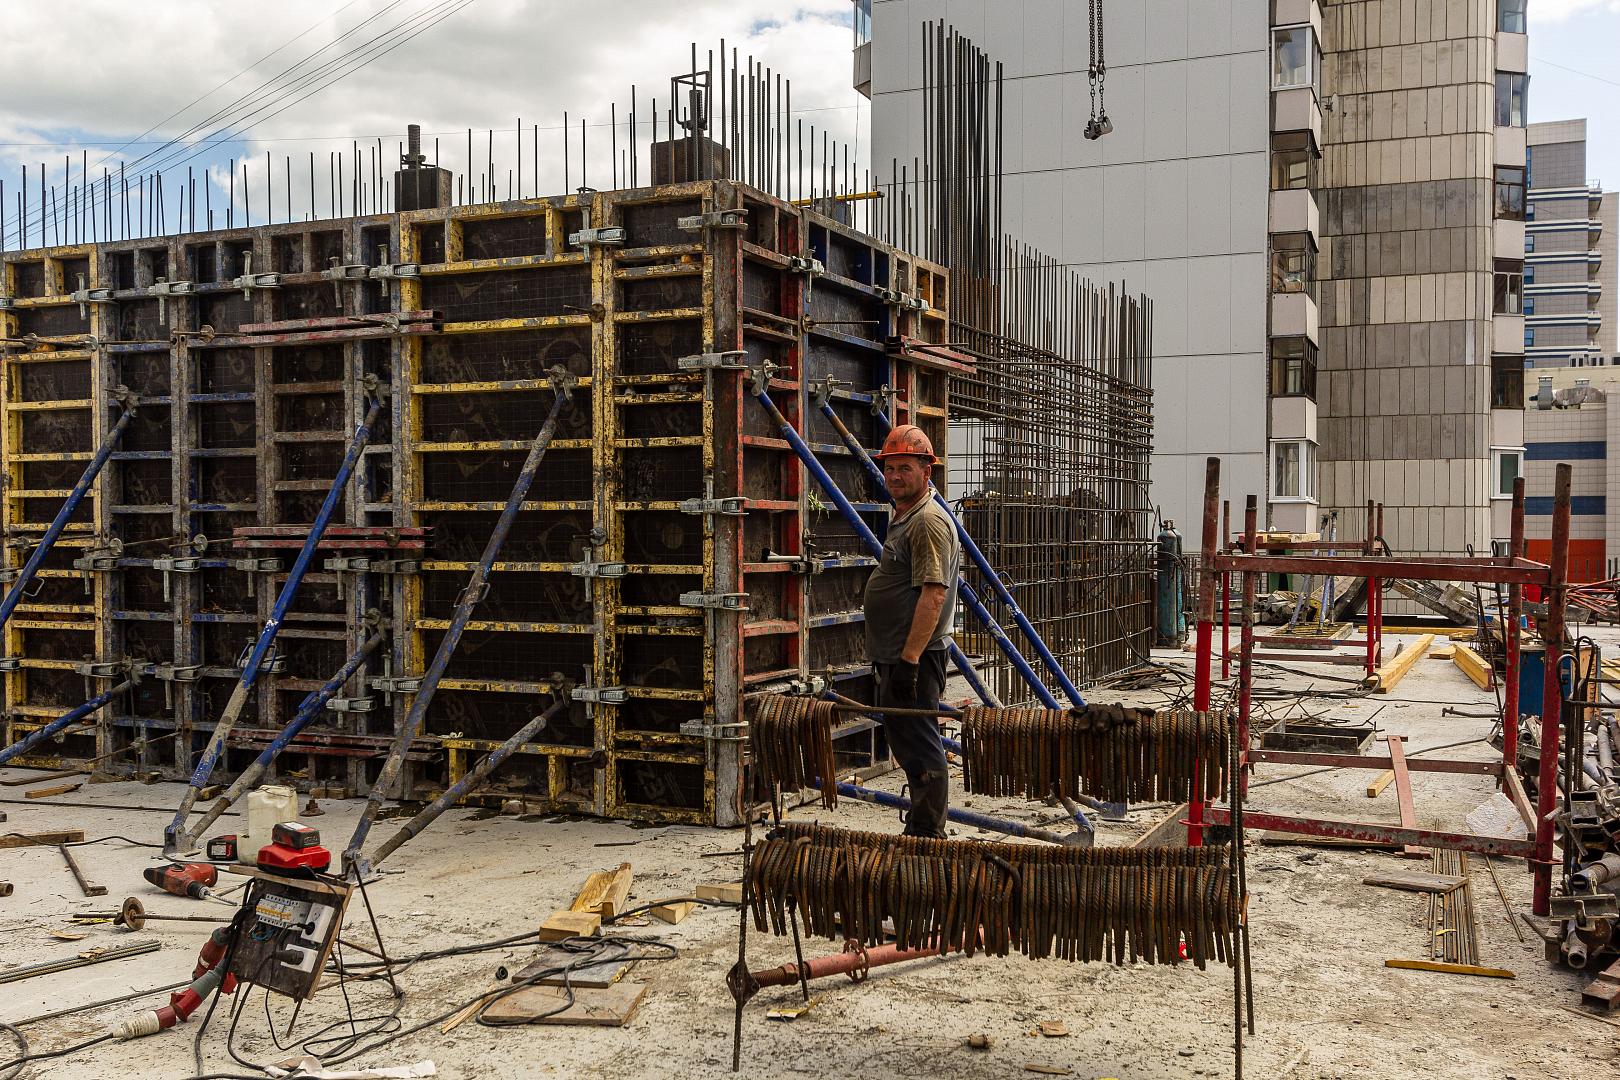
[
  {"x": 590, "y": 568},
  {"x": 610, "y": 236},
  {"x": 732, "y": 360},
  {"x": 247, "y": 281},
  {"x": 164, "y": 290},
  {"x": 800, "y": 265},
  {"x": 599, "y": 695},
  {"x": 734, "y": 506},
  {"x": 394, "y": 271},
  {"x": 352, "y": 704},
  {"x": 338, "y": 272},
  {"x": 389, "y": 685},
  {"x": 181, "y": 673},
  {"x": 274, "y": 663},
  {"x": 363, "y": 564},
  {"x": 10, "y": 663},
  {"x": 7, "y": 303},
  {"x": 257, "y": 566},
  {"x": 706, "y": 728},
  {"x": 85, "y": 297},
  {"x": 881, "y": 398},
  {"x": 1584, "y": 909},
  {"x": 714, "y": 219},
  {"x": 178, "y": 564},
  {"x": 101, "y": 669},
  {"x": 10, "y": 574},
  {"x": 716, "y": 601},
  {"x": 97, "y": 560}
]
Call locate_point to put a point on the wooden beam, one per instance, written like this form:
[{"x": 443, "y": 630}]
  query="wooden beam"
[
  {"x": 1473, "y": 665},
  {"x": 1394, "y": 671},
  {"x": 1443, "y": 652},
  {"x": 1452, "y": 969},
  {"x": 604, "y": 892},
  {"x": 1376, "y": 788},
  {"x": 47, "y": 792},
  {"x": 47, "y": 839},
  {"x": 1403, "y": 792}
]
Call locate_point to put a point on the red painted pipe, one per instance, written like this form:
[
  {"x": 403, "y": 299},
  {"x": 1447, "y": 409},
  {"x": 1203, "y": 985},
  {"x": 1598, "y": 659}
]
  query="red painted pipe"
[
  {"x": 1510, "y": 637},
  {"x": 1203, "y": 658},
  {"x": 1552, "y": 635},
  {"x": 854, "y": 961}
]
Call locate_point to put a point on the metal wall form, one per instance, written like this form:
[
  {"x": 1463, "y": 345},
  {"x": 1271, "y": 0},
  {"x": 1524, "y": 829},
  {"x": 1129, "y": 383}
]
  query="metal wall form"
[{"x": 237, "y": 431}]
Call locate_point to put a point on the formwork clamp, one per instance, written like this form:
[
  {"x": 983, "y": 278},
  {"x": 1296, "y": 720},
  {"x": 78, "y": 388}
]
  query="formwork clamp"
[
  {"x": 716, "y": 601},
  {"x": 102, "y": 669},
  {"x": 588, "y": 567},
  {"x": 706, "y": 728},
  {"x": 175, "y": 564},
  {"x": 352, "y": 704},
  {"x": 84, "y": 297},
  {"x": 164, "y": 290},
  {"x": 389, "y": 685},
  {"x": 714, "y": 219},
  {"x": 247, "y": 280},
  {"x": 608, "y": 236},
  {"x": 273, "y": 663},
  {"x": 339, "y": 272},
  {"x": 798, "y": 264},
  {"x": 733, "y": 506},
  {"x": 7, "y": 303},
  {"x": 169, "y": 674},
  {"x": 731, "y": 360},
  {"x": 10, "y": 663},
  {"x": 599, "y": 695},
  {"x": 394, "y": 271}
]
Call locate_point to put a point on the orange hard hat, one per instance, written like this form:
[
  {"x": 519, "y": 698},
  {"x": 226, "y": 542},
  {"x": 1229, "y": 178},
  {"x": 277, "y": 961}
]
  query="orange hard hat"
[{"x": 908, "y": 439}]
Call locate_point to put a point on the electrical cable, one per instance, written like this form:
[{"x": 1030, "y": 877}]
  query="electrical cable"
[
  {"x": 22, "y": 1049},
  {"x": 26, "y": 1059}
]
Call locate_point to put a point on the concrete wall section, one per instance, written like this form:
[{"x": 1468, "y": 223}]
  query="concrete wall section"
[{"x": 1173, "y": 203}]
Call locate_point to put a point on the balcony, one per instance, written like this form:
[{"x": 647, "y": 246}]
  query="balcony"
[{"x": 1295, "y": 211}]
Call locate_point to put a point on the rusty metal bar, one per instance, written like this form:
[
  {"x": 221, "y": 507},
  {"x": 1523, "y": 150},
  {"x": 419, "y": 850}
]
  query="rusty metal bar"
[{"x": 1552, "y": 710}]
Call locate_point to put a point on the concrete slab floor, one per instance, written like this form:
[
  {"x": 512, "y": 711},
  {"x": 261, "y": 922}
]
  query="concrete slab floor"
[{"x": 1326, "y": 1007}]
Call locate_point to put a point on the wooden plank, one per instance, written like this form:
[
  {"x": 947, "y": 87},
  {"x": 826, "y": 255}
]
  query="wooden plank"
[
  {"x": 1403, "y": 793},
  {"x": 47, "y": 792},
  {"x": 1473, "y": 665},
  {"x": 1443, "y": 652},
  {"x": 1276, "y": 838},
  {"x": 729, "y": 893},
  {"x": 1394, "y": 671},
  {"x": 604, "y": 892},
  {"x": 1415, "y": 881},
  {"x": 616, "y": 900},
  {"x": 1170, "y": 832},
  {"x": 1376, "y": 788},
  {"x": 1451, "y": 969},
  {"x": 672, "y": 913},
  {"x": 590, "y": 894},
  {"x": 570, "y": 924},
  {"x": 48, "y": 839},
  {"x": 607, "y": 1006}
]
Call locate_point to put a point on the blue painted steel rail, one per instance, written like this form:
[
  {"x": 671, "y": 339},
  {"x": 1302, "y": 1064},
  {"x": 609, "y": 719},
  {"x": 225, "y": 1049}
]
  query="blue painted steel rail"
[{"x": 34, "y": 738}]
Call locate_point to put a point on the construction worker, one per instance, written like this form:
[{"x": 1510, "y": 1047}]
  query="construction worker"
[{"x": 910, "y": 602}]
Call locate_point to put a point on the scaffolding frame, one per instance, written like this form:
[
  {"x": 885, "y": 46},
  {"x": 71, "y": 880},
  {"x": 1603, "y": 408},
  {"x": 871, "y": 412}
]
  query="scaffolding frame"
[{"x": 1512, "y": 571}]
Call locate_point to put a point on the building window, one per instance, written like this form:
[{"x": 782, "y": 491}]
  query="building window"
[
  {"x": 1511, "y": 89},
  {"x": 1295, "y": 57},
  {"x": 1530, "y": 242},
  {"x": 1529, "y": 305},
  {"x": 1509, "y": 293},
  {"x": 1293, "y": 470},
  {"x": 1293, "y": 264},
  {"x": 1510, "y": 16},
  {"x": 1529, "y": 340},
  {"x": 1507, "y": 382},
  {"x": 1510, "y": 192},
  {"x": 863, "y": 22},
  {"x": 1529, "y": 274},
  {"x": 1293, "y": 368},
  {"x": 1290, "y": 169},
  {"x": 1507, "y": 465}
]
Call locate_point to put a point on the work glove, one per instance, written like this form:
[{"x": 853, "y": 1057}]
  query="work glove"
[{"x": 903, "y": 683}]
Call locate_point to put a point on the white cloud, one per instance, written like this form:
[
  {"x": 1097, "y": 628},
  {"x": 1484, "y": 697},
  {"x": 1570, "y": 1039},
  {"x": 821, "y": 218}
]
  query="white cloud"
[
  {"x": 1553, "y": 11},
  {"x": 97, "y": 71}
]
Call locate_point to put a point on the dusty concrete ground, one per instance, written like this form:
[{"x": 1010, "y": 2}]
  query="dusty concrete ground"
[{"x": 1326, "y": 1007}]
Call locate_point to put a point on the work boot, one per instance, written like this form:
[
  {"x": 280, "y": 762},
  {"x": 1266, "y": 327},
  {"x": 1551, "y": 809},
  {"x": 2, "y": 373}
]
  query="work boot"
[{"x": 930, "y": 798}]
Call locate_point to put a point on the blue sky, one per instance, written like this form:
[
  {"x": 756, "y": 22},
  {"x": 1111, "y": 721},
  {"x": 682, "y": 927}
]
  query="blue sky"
[{"x": 1583, "y": 35}]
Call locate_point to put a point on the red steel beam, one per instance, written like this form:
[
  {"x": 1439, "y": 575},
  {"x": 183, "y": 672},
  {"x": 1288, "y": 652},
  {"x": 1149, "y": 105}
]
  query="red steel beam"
[
  {"x": 1374, "y": 833},
  {"x": 1510, "y": 638},
  {"x": 1226, "y": 593},
  {"x": 1413, "y": 569},
  {"x": 1552, "y": 633},
  {"x": 1203, "y": 658}
]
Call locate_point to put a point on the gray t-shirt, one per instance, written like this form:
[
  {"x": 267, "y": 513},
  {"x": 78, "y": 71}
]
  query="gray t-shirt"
[{"x": 921, "y": 549}]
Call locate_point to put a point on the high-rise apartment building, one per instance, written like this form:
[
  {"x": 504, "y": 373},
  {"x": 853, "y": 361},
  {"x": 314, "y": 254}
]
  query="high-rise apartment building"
[
  {"x": 1564, "y": 299},
  {"x": 1324, "y": 198}
]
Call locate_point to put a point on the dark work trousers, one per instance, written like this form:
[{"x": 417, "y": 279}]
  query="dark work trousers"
[{"x": 914, "y": 742}]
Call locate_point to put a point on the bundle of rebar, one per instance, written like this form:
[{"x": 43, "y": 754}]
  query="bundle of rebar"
[
  {"x": 1114, "y": 904},
  {"x": 1453, "y": 930},
  {"x": 790, "y": 740},
  {"x": 1106, "y": 751}
]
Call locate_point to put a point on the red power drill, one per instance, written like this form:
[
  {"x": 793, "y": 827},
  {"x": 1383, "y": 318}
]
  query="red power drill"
[{"x": 184, "y": 879}]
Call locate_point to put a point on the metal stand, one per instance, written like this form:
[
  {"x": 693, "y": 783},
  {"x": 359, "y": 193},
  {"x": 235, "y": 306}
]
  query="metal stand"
[{"x": 1512, "y": 571}]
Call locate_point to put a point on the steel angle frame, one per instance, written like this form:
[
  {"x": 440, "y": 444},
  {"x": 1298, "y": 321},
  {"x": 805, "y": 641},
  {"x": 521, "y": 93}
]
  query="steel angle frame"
[{"x": 1514, "y": 571}]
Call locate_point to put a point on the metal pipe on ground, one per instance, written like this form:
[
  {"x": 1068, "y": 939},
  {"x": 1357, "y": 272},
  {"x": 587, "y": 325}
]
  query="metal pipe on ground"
[
  {"x": 854, "y": 962},
  {"x": 186, "y": 841},
  {"x": 966, "y": 817},
  {"x": 272, "y": 626},
  {"x": 562, "y": 385},
  {"x": 36, "y": 558},
  {"x": 874, "y": 548}
]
